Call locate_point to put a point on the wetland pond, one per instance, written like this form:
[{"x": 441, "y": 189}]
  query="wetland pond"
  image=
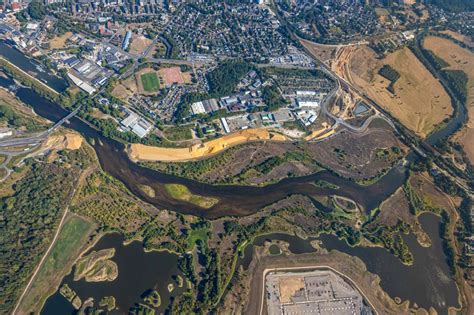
[
  {"x": 427, "y": 282},
  {"x": 138, "y": 271}
]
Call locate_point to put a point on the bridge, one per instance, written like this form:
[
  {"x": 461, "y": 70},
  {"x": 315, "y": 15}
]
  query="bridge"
[{"x": 36, "y": 139}]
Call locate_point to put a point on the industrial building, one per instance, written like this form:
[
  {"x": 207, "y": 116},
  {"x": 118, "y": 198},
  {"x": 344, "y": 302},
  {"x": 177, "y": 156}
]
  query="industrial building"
[{"x": 136, "y": 124}]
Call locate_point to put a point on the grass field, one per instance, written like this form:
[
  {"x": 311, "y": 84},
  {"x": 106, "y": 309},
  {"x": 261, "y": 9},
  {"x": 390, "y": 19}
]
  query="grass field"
[
  {"x": 150, "y": 82},
  {"x": 178, "y": 133},
  {"x": 181, "y": 192},
  {"x": 197, "y": 234},
  {"x": 419, "y": 101},
  {"x": 462, "y": 59},
  {"x": 69, "y": 244},
  {"x": 139, "y": 44}
]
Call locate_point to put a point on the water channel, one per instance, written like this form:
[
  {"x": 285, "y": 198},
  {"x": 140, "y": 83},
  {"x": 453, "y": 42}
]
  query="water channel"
[{"x": 426, "y": 283}]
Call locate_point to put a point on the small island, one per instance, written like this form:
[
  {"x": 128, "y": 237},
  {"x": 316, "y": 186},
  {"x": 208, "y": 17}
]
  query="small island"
[
  {"x": 108, "y": 302},
  {"x": 71, "y": 296},
  {"x": 181, "y": 192},
  {"x": 97, "y": 266}
]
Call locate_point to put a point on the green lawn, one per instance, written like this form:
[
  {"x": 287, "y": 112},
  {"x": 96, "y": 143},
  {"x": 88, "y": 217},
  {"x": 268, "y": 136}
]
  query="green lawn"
[
  {"x": 197, "y": 234},
  {"x": 72, "y": 237},
  {"x": 150, "y": 82}
]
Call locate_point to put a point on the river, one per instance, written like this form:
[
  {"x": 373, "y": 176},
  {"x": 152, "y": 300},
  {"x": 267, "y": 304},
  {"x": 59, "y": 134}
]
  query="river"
[
  {"x": 32, "y": 67},
  {"x": 243, "y": 200}
]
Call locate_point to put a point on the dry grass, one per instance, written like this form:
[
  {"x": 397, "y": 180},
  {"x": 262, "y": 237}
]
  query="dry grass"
[
  {"x": 460, "y": 37},
  {"x": 419, "y": 101},
  {"x": 459, "y": 59},
  {"x": 59, "y": 42},
  {"x": 139, "y": 44},
  {"x": 289, "y": 286},
  {"x": 151, "y": 153}
]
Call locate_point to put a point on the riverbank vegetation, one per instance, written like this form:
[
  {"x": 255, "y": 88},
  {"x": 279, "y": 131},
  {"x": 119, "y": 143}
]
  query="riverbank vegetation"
[
  {"x": 265, "y": 163},
  {"x": 31, "y": 211},
  {"x": 73, "y": 237},
  {"x": 15, "y": 114}
]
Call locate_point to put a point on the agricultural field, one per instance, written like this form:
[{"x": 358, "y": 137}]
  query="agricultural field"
[
  {"x": 418, "y": 100},
  {"x": 459, "y": 59},
  {"x": 150, "y": 82},
  {"x": 72, "y": 239}
]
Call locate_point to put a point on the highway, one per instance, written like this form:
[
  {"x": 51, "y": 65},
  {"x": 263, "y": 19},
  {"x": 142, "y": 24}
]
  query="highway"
[{"x": 37, "y": 138}]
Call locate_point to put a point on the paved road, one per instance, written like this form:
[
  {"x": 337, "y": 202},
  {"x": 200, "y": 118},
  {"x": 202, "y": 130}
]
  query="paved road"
[{"x": 37, "y": 138}]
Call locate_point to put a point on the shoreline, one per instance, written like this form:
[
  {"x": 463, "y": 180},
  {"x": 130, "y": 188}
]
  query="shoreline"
[
  {"x": 29, "y": 75},
  {"x": 146, "y": 153}
]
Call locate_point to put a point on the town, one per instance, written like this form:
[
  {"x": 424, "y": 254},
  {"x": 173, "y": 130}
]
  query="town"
[{"x": 236, "y": 156}]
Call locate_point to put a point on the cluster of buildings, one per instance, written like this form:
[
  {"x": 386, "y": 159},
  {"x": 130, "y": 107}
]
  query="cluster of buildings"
[
  {"x": 320, "y": 291},
  {"x": 249, "y": 97},
  {"x": 274, "y": 119},
  {"x": 333, "y": 20},
  {"x": 303, "y": 109},
  {"x": 392, "y": 42},
  {"x": 145, "y": 9},
  {"x": 89, "y": 76},
  {"x": 294, "y": 57},
  {"x": 244, "y": 30},
  {"x": 32, "y": 39},
  {"x": 136, "y": 124}
]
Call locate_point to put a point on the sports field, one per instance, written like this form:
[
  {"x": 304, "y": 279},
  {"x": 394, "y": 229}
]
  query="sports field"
[{"x": 150, "y": 82}]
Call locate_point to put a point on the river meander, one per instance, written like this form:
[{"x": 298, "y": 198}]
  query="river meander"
[{"x": 426, "y": 283}]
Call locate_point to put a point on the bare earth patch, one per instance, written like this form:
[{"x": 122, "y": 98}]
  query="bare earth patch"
[
  {"x": 151, "y": 153},
  {"x": 171, "y": 75}
]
